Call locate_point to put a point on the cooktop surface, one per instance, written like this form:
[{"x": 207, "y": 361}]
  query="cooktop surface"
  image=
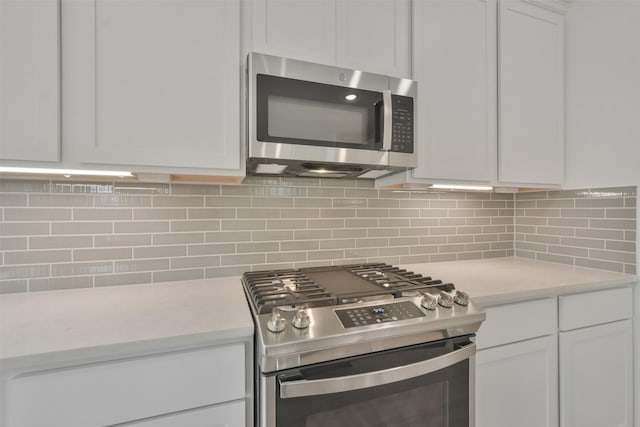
[{"x": 333, "y": 285}]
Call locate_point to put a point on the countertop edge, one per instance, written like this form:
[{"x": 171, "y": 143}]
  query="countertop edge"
[
  {"x": 531, "y": 294},
  {"x": 123, "y": 350}
]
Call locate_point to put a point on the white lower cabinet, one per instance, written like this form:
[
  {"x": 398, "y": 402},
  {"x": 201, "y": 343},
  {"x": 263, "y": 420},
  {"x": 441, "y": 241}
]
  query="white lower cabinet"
[
  {"x": 596, "y": 368},
  {"x": 517, "y": 384},
  {"x": 517, "y": 365},
  {"x": 564, "y": 361},
  {"x": 183, "y": 388}
]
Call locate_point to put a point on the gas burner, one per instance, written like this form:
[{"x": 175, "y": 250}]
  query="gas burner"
[{"x": 333, "y": 285}]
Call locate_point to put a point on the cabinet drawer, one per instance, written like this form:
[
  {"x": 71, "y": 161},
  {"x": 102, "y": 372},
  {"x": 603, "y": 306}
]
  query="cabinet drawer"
[
  {"x": 519, "y": 321},
  {"x": 230, "y": 414},
  {"x": 124, "y": 390},
  {"x": 594, "y": 308}
]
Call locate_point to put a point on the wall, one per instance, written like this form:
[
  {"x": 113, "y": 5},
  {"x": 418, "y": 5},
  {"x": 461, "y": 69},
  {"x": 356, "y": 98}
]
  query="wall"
[
  {"x": 593, "y": 228},
  {"x": 68, "y": 235}
]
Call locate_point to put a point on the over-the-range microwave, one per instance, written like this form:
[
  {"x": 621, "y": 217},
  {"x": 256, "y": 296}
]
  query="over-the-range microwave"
[{"x": 315, "y": 120}]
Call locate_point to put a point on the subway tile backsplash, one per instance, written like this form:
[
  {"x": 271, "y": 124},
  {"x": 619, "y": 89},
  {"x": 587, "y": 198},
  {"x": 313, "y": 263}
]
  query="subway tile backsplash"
[
  {"x": 60, "y": 235},
  {"x": 593, "y": 228}
]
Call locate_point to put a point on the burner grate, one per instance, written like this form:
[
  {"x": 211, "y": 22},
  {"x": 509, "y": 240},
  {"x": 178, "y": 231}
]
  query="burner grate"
[{"x": 268, "y": 289}]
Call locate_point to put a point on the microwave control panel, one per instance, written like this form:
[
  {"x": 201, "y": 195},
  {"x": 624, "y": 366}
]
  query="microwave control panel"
[
  {"x": 383, "y": 313},
  {"x": 402, "y": 132}
]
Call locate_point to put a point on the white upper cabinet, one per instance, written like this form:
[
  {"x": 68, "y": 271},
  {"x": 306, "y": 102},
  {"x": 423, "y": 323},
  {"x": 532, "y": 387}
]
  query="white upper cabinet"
[
  {"x": 370, "y": 35},
  {"x": 153, "y": 83},
  {"x": 454, "y": 46},
  {"x": 375, "y": 36},
  {"x": 29, "y": 80},
  {"x": 297, "y": 29},
  {"x": 531, "y": 95}
]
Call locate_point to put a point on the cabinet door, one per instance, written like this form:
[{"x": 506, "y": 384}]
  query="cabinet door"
[
  {"x": 154, "y": 83},
  {"x": 531, "y": 94},
  {"x": 596, "y": 374},
  {"x": 455, "y": 65},
  {"x": 374, "y": 35},
  {"x": 298, "y": 29},
  {"x": 29, "y": 80},
  {"x": 517, "y": 384}
]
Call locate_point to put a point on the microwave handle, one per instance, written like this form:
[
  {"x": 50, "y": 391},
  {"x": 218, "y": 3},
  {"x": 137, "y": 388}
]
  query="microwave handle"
[
  {"x": 302, "y": 388},
  {"x": 388, "y": 120}
]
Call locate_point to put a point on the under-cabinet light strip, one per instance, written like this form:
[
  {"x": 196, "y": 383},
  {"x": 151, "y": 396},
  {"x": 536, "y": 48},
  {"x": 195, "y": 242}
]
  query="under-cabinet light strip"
[
  {"x": 70, "y": 172},
  {"x": 462, "y": 187}
]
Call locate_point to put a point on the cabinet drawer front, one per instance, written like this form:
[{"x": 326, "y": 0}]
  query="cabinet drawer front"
[
  {"x": 516, "y": 322},
  {"x": 230, "y": 414},
  {"x": 594, "y": 308},
  {"x": 115, "y": 392}
]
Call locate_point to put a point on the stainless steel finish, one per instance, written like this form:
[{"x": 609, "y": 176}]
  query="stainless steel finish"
[
  {"x": 430, "y": 302},
  {"x": 298, "y": 153},
  {"x": 472, "y": 390},
  {"x": 291, "y": 389},
  {"x": 461, "y": 298},
  {"x": 277, "y": 323},
  {"x": 267, "y": 412},
  {"x": 326, "y": 339},
  {"x": 388, "y": 119},
  {"x": 301, "y": 319},
  {"x": 445, "y": 300}
]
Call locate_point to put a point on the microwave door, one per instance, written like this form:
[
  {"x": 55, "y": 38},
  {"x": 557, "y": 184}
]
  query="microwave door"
[{"x": 291, "y": 111}]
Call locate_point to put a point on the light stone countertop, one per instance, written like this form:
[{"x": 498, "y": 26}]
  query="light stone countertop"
[
  {"x": 56, "y": 328},
  {"x": 503, "y": 280}
]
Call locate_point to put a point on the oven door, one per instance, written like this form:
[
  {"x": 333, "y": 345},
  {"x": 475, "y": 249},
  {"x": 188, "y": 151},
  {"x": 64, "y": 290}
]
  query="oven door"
[{"x": 425, "y": 385}]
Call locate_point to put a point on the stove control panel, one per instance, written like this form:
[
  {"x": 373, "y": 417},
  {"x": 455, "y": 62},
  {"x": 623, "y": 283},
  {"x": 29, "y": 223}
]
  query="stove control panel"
[{"x": 377, "y": 314}]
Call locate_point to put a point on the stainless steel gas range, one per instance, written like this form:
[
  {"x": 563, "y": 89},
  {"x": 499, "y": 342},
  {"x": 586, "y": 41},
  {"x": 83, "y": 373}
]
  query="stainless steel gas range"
[{"x": 362, "y": 345}]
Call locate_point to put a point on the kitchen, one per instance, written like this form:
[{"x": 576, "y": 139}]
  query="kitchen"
[{"x": 91, "y": 232}]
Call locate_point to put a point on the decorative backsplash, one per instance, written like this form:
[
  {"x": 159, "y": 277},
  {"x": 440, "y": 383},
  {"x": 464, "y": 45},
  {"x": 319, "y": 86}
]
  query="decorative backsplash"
[
  {"x": 58, "y": 235},
  {"x": 589, "y": 228}
]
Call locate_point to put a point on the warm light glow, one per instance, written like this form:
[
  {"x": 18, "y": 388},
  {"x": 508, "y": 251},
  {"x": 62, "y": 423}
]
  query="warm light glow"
[
  {"x": 351, "y": 97},
  {"x": 320, "y": 171},
  {"x": 65, "y": 172},
  {"x": 461, "y": 187}
]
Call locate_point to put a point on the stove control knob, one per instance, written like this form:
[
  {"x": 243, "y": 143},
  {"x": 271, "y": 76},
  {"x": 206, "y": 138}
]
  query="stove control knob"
[
  {"x": 301, "y": 319},
  {"x": 430, "y": 302},
  {"x": 277, "y": 322},
  {"x": 445, "y": 300},
  {"x": 461, "y": 298}
]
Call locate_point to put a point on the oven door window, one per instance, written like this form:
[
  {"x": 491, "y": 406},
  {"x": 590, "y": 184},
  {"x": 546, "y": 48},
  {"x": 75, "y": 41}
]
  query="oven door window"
[
  {"x": 300, "y": 112},
  {"x": 437, "y": 399}
]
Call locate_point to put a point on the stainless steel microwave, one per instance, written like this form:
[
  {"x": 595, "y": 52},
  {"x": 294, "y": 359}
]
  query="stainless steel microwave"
[{"x": 316, "y": 120}]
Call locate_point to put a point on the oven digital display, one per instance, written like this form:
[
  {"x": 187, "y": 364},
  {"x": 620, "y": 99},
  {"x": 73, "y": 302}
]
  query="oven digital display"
[{"x": 363, "y": 316}]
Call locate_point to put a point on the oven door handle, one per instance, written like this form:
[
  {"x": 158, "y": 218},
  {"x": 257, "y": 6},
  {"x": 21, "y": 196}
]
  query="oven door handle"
[{"x": 302, "y": 388}]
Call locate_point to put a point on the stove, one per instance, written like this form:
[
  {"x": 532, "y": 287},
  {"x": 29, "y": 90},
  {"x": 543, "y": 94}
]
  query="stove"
[
  {"x": 297, "y": 310},
  {"x": 321, "y": 330}
]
